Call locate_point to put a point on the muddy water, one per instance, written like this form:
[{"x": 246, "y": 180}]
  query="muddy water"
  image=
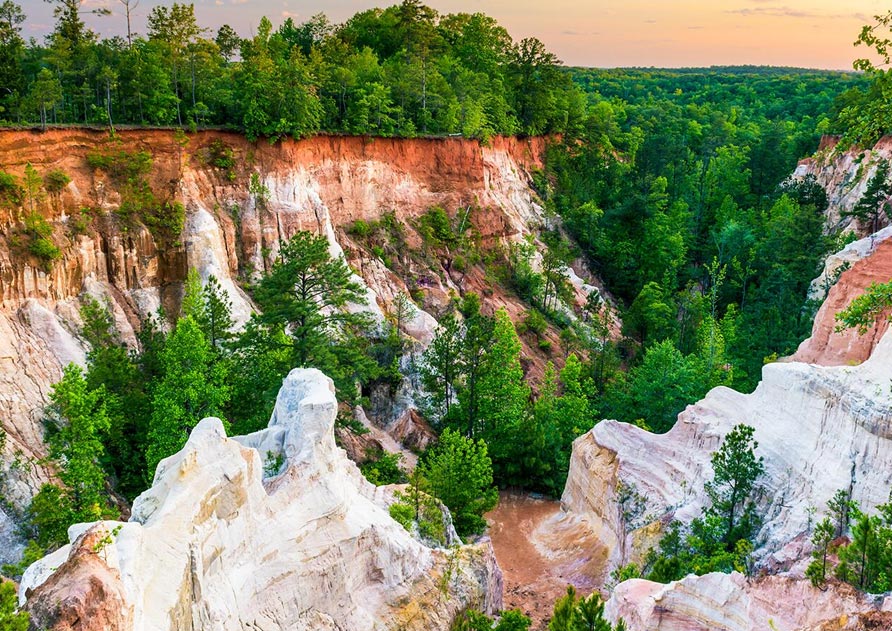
[{"x": 540, "y": 555}]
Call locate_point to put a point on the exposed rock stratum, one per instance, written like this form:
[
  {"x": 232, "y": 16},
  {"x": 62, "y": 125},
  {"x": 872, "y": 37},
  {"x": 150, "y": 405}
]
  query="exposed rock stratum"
[{"x": 276, "y": 530}]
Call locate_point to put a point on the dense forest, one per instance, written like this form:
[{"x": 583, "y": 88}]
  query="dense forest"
[
  {"x": 400, "y": 71},
  {"x": 671, "y": 185}
]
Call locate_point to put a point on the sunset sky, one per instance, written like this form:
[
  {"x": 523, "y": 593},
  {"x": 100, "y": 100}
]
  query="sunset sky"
[{"x": 602, "y": 33}]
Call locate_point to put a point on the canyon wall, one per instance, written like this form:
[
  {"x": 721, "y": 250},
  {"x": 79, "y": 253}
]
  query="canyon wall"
[
  {"x": 241, "y": 199},
  {"x": 731, "y": 602},
  {"x": 276, "y": 530}
]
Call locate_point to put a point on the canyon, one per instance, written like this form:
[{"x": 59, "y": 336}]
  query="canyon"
[
  {"x": 235, "y": 218},
  {"x": 821, "y": 416}
]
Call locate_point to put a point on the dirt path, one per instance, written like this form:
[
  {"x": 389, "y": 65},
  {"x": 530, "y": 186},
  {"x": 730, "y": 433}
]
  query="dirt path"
[{"x": 539, "y": 558}]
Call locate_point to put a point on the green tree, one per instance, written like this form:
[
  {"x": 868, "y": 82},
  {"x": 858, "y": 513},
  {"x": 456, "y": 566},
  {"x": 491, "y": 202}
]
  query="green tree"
[
  {"x": 45, "y": 94},
  {"x": 736, "y": 472},
  {"x": 821, "y": 538},
  {"x": 192, "y": 388},
  {"x": 658, "y": 389},
  {"x": 10, "y": 618},
  {"x": 572, "y": 613},
  {"x": 308, "y": 290},
  {"x": 876, "y": 200},
  {"x": 864, "y": 310},
  {"x": 116, "y": 373},
  {"x": 441, "y": 368},
  {"x": 176, "y": 28},
  {"x": 76, "y": 442},
  {"x": 12, "y": 50},
  {"x": 459, "y": 472},
  {"x": 503, "y": 394}
]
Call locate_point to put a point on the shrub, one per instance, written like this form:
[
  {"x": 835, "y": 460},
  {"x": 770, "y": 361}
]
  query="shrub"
[
  {"x": 383, "y": 469},
  {"x": 36, "y": 226},
  {"x": 11, "y": 192},
  {"x": 360, "y": 228},
  {"x": 122, "y": 166},
  {"x": 55, "y": 180},
  {"x": 435, "y": 228},
  {"x": 221, "y": 156},
  {"x": 535, "y": 322},
  {"x": 47, "y": 251}
]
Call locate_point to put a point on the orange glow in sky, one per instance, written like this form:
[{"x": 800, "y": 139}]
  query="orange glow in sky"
[{"x": 603, "y": 33}]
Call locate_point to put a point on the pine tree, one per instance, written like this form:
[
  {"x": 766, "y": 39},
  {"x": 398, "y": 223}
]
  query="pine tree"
[
  {"x": 192, "y": 388},
  {"x": 736, "y": 471},
  {"x": 10, "y": 618},
  {"x": 823, "y": 535},
  {"x": 115, "y": 371},
  {"x": 876, "y": 200},
  {"x": 459, "y": 472},
  {"x": 308, "y": 293},
  {"x": 441, "y": 369},
  {"x": 503, "y": 394},
  {"x": 76, "y": 444}
]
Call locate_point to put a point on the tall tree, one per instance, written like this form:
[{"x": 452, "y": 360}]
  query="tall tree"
[
  {"x": 177, "y": 28},
  {"x": 441, "y": 368},
  {"x": 45, "y": 93},
  {"x": 82, "y": 419},
  {"x": 309, "y": 291},
  {"x": 503, "y": 394},
  {"x": 192, "y": 388},
  {"x": 736, "y": 471},
  {"x": 12, "y": 49},
  {"x": 459, "y": 472},
  {"x": 876, "y": 200}
]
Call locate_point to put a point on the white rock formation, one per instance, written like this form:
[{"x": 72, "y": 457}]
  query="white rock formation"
[
  {"x": 731, "y": 602},
  {"x": 819, "y": 429},
  {"x": 275, "y": 530}
]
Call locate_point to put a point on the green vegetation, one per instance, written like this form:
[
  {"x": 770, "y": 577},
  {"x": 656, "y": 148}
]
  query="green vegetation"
[
  {"x": 77, "y": 421},
  {"x": 472, "y": 620},
  {"x": 722, "y": 539},
  {"x": 10, "y": 618},
  {"x": 40, "y": 243},
  {"x": 459, "y": 473},
  {"x": 689, "y": 223},
  {"x": 861, "y": 557},
  {"x": 418, "y": 511},
  {"x": 571, "y": 613},
  {"x": 401, "y": 71},
  {"x": 476, "y": 385},
  {"x": 383, "y": 468},
  {"x": 129, "y": 173}
]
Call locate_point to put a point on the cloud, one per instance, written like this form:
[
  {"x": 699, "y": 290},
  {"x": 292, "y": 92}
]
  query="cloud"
[
  {"x": 650, "y": 21},
  {"x": 695, "y": 28},
  {"x": 788, "y": 12}
]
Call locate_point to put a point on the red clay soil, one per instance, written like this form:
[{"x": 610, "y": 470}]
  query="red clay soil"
[{"x": 537, "y": 568}]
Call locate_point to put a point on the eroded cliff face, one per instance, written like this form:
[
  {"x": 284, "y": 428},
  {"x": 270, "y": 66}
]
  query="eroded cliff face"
[
  {"x": 225, "y": 541},
  {"x": 819, "y": 429},
  {"x": 240, "y": 199},
  {"x": 731, "y": 602},
  {"x": 844, "y": 176}
]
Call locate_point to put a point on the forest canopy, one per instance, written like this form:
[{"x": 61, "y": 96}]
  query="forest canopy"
[{"x": 404, "y": 70}]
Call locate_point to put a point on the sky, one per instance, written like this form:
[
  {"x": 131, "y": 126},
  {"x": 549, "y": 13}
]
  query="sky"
[{"x": 597, "y": 33}]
